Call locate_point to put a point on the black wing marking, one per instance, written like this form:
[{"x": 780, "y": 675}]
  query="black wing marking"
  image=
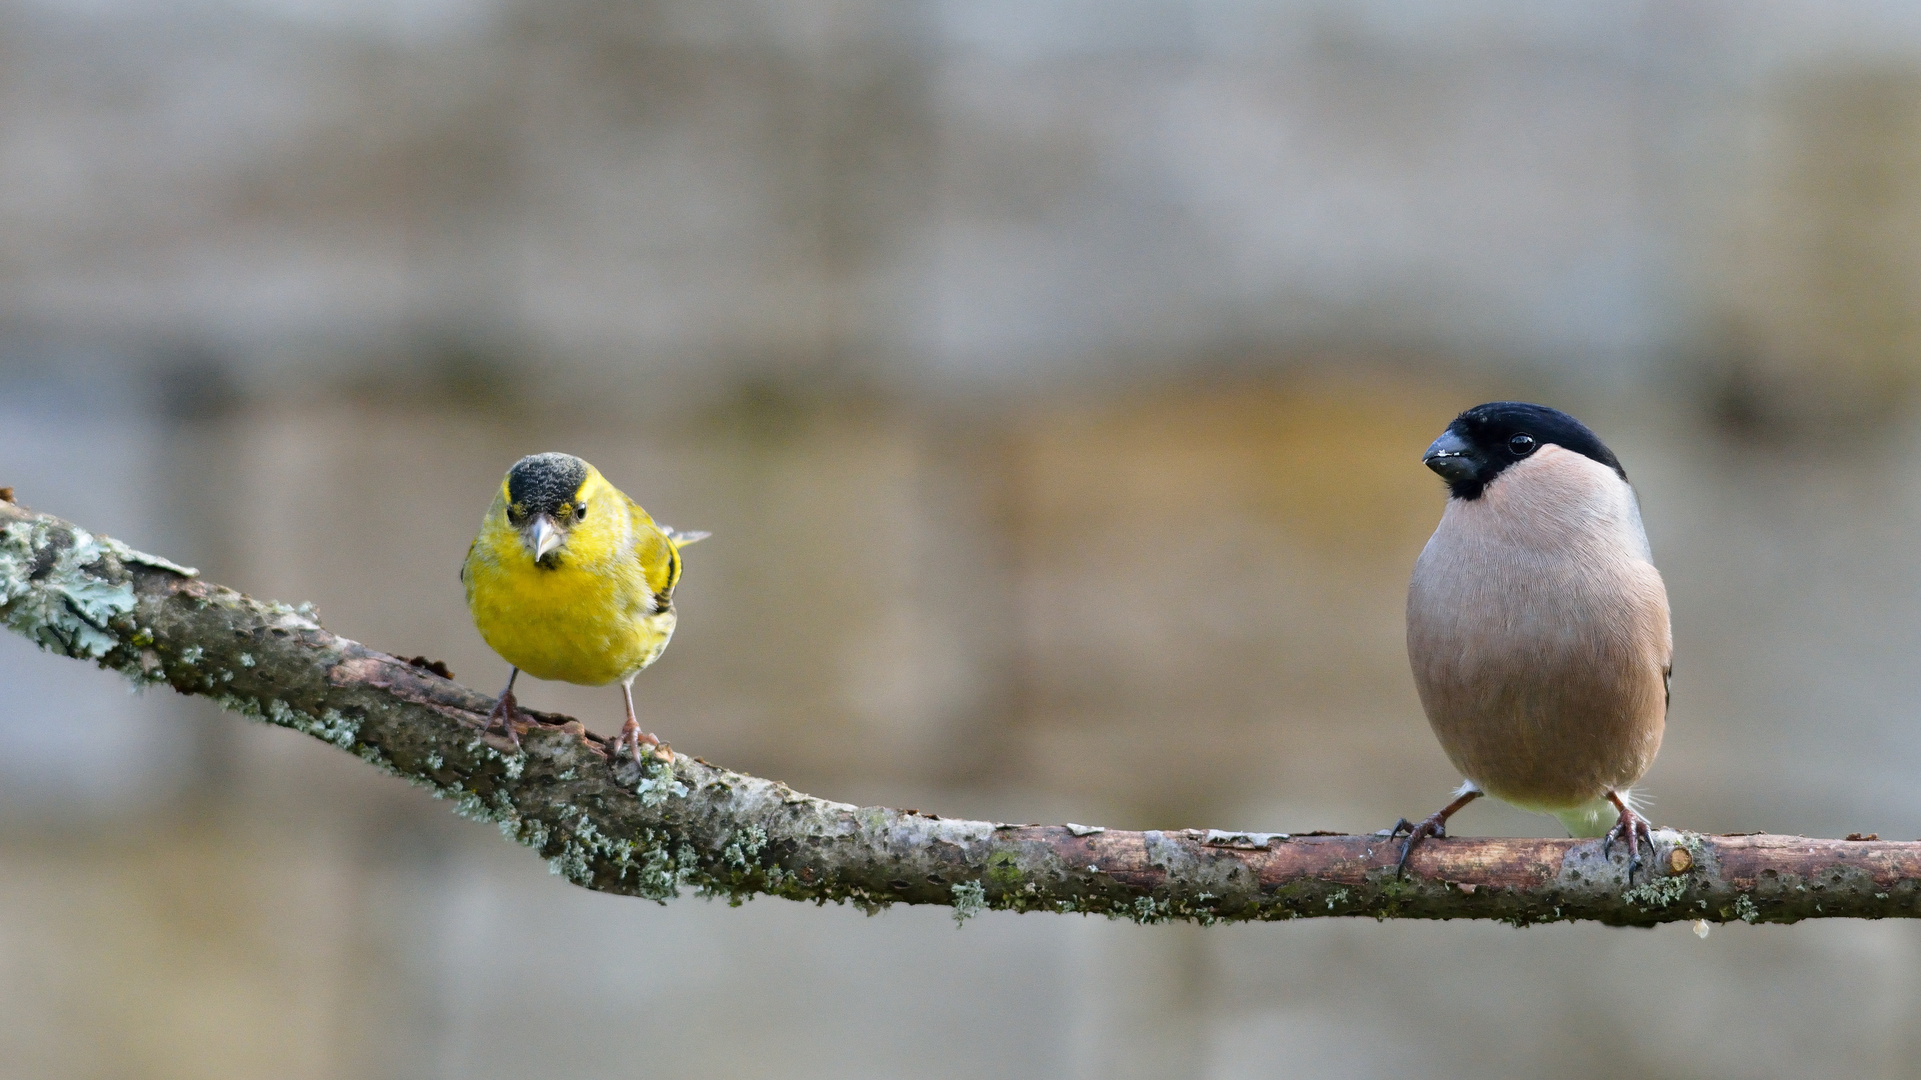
[{"x": 664, "y": 599}]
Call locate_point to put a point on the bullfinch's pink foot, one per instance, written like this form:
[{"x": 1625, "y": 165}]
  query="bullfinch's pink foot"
[
  {"x": 1632, "y": 830},
  {"x": 1434, "y": 825}
]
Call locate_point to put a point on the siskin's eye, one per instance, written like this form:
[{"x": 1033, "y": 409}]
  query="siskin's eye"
[
  {"x": 1521, "y": 445},
  {"x": 580, "y": 510},
  {"x": 515, "y": 513}
]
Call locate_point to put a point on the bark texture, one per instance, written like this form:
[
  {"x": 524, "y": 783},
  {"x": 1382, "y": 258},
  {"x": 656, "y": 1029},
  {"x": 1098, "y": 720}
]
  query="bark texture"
[{"x": 654, "y": 830}]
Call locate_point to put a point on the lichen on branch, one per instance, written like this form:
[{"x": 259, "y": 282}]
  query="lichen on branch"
[{"x": 657, "y": 829}]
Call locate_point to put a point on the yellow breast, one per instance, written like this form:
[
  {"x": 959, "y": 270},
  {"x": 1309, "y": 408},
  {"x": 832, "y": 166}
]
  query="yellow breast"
[{"x": 591, "y": 618}]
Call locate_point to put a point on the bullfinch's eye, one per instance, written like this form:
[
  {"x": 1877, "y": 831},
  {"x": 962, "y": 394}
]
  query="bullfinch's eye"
[
  {"x": 1521, "y": 445},
  {"x": 580, "y": 510}
]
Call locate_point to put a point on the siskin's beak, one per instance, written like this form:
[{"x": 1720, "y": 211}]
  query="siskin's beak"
[{"x": 544, "y": 536}]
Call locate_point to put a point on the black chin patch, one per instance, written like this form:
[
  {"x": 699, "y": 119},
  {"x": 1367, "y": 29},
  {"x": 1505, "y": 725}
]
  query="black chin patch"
[
  {"x": 544, "y": 483},
  {"x": 1490, "y": 430}
]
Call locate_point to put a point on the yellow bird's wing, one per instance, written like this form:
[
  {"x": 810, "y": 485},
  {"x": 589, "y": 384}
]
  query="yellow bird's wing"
[{"x": 658, "y": 552}]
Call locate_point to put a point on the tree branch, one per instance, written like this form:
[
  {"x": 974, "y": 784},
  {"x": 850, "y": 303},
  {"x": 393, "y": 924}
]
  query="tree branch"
[{"x": 654, "y": 830}]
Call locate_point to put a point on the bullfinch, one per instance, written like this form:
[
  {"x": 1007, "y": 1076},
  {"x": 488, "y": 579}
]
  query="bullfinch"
[{"x": 1537, "y": 625}]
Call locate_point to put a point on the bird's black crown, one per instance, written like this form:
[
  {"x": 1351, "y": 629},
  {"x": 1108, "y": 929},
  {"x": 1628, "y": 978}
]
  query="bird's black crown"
[
  {"x": 544, "y": 484},
  {"x": 1485, "y": 440}
]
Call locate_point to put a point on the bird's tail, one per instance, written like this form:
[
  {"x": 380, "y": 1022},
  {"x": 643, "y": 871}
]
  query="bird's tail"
[
  {"x": 682, "y": 539},
  {"x": 1589, "y": 819}
]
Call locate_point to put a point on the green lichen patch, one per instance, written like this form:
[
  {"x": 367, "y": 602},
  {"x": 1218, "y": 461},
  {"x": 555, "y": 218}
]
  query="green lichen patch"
[
  {"x": 970, "y": 899},
  {"x": 1658, "y": 893},
  {"x": 1004, "y": 869},
  {"x": 655, "y": 781},
  {"x": 128, "y": 555},
  {"x": 58, "y": 590},
  {"x": 747, "y": 843},
  {"x": 329, "y": 725},
  {"x": 1145, "y": 910}
]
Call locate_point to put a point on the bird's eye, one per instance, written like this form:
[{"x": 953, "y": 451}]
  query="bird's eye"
[
  {"x": 580, "y": 510},
  {"x": 1521, "y": 445}
]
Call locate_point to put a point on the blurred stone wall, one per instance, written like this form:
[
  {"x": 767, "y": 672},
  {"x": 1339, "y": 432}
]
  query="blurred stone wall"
[{"x": 672, "y": 196}]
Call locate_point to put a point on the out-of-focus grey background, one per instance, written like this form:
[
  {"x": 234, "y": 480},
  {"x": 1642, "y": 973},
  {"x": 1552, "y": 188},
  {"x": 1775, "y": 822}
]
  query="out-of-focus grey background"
[{"x": 1053, "y": 376}]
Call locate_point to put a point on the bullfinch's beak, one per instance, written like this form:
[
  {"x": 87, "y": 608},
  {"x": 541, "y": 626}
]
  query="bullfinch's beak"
[
  {"x": 1452, "y": 457},
  {"x": 543, "y": 536}
]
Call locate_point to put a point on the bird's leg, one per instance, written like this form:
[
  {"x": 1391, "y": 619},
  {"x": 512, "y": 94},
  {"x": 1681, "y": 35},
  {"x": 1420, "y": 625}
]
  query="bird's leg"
[
  {"x": 1435, "y": 825},
  {"x": 631, "y": 738},
  {"x": 505, "y": 712},
  {"x": 1633, "y": 831}
]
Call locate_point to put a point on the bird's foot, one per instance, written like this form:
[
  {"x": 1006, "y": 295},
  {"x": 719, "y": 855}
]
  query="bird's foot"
[
  {"x": 631, "y": 739},
  {"x": 1632, "y": 830},
  {"x": 1434, "y": 825},
  {"x": 504, "y": 715}
]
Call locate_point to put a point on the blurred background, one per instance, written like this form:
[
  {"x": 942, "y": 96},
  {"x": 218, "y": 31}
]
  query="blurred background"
[{"x": 1053, "y": 376}]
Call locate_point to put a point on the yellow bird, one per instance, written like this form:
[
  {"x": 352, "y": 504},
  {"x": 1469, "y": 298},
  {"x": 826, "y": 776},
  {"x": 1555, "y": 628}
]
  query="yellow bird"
[{"x": 569, "y": 579}]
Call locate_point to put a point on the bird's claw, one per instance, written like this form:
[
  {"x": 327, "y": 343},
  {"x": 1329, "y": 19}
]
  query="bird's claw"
[
  {"x": 632, "y": 738},
  {"x": 1434, "y": 825},
  {"x": 504, "y": 714},
  {"x": 1633, "y": 830}
]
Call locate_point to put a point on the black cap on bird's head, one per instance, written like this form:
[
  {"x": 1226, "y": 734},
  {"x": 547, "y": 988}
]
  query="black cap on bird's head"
[
  {"x": 1486, "y": 439},
  {"x": 542, "y": 500}
]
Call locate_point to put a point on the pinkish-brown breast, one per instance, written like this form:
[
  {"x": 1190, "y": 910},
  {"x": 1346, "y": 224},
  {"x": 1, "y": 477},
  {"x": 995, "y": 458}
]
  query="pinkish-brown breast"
[{"x": 1538, "y": 632}]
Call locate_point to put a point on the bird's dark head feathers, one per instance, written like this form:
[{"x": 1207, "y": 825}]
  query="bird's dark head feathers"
[
  {"x": 1485, "y": 440},
  {"x": 544, "y": 484}
]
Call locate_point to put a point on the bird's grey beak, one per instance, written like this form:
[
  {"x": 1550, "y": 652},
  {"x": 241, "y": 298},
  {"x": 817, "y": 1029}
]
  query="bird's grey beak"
[
  {"x": 544, "y": 535},
  {"x": 1451, "y": 457}
]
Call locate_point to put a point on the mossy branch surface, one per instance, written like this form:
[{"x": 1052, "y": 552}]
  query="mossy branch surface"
[{"x": 656, "y": 830}]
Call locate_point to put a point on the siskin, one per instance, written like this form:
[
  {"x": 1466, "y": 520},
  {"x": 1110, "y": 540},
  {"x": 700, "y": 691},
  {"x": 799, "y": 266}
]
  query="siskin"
[{"x": 569, "y": 579}]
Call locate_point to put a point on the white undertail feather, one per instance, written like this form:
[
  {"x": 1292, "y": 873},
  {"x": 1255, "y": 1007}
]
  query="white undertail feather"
[{"x": 1595, "y": 818}]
